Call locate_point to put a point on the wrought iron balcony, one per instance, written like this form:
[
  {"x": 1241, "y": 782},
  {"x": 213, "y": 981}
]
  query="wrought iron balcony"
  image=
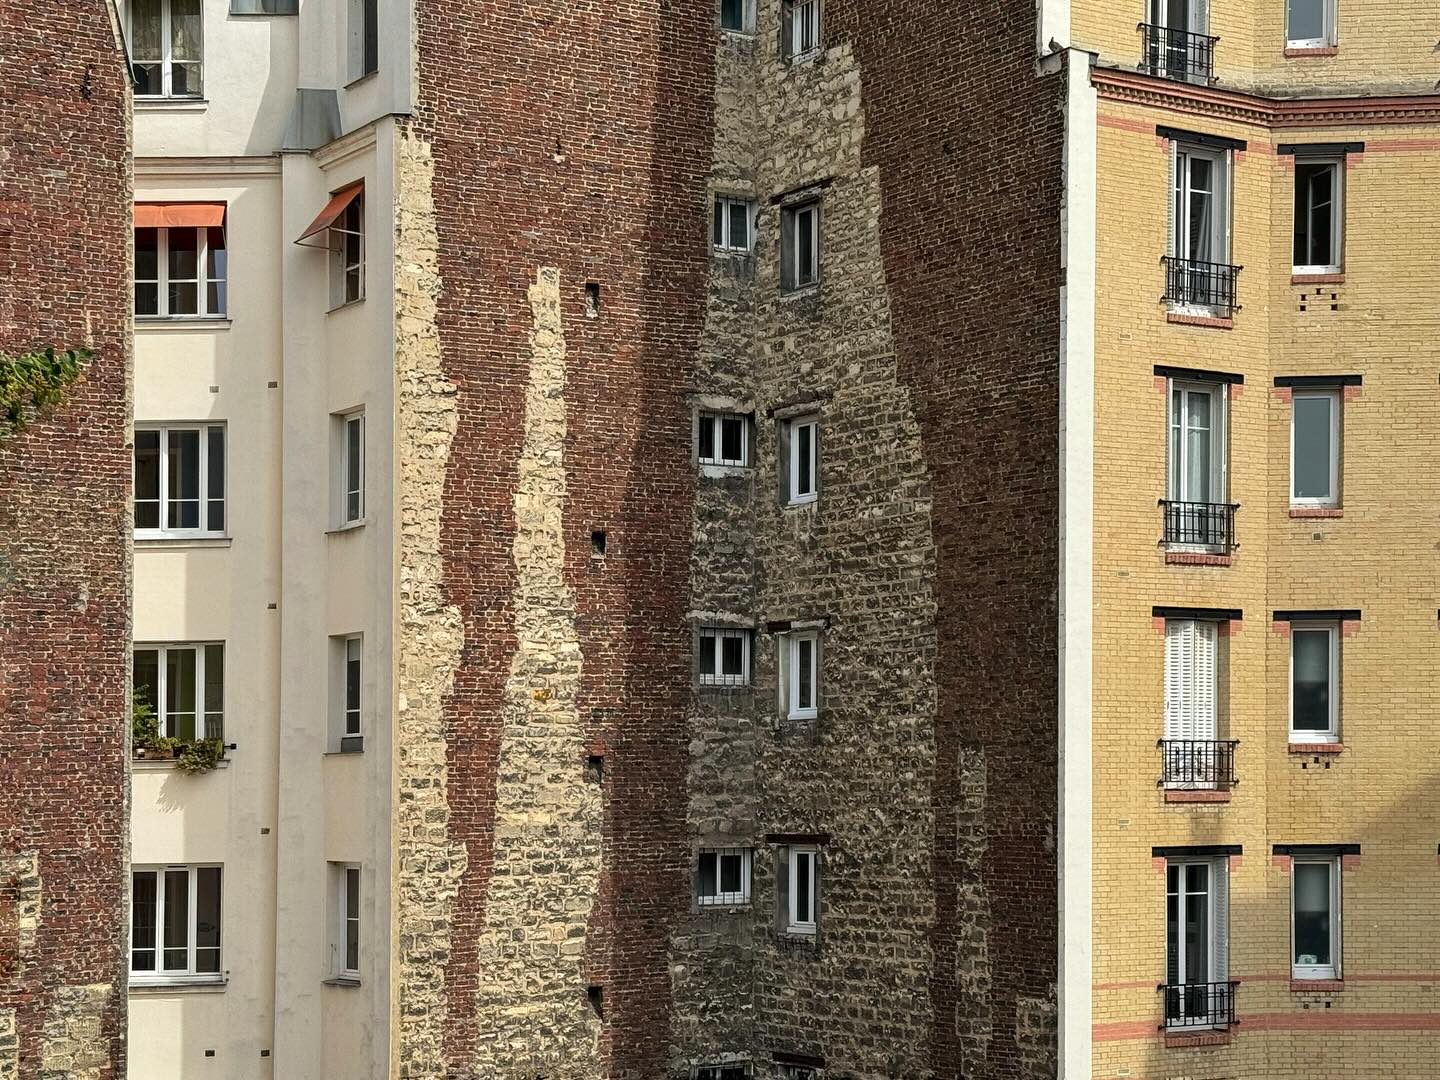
[
  {"x": 1210, "y": 525},
  {"x": 1205, "y": 284},
  {"x": 1177, "y": 54},
  {"x": 1199, "y": 1006},
  {"x": 1198, "y": 764}
]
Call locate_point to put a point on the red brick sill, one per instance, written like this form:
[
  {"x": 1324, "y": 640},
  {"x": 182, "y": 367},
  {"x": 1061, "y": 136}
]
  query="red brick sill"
[
  {"x": 1195, "y": 558},
  {"x": 1317, "y": 279},
  {"x": 1197, "y": 1038},
  {"x": 1173, "y": 795},
  {"x": 1317, "y": 748},
  {"x": 1199, "y": 320},
  {"x": 1316, "y": 986},
  {"x": 1313, "y": 512},
  {"x": 1314, "y": 50}
]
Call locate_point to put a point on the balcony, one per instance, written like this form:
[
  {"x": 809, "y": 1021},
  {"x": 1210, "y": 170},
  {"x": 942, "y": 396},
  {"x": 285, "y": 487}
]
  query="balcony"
[
  {"x": 1199, "y": 1007},
  {"x": 1192, "y": 282},
  {"x": 1197, "y": 770},
  {"x": 1202, "y": 525},
  {"x": 1177, "y": 54}
]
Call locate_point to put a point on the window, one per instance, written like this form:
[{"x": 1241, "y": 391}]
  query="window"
[
  {"x": 1196, "y": 943},
  {"x": 180, "y": 481},
  {"x": 352, "y": 467},
  {"x": 800, "y": 449},
  {"x": 1309, "y": 23},
  {"x": 346, "y": 941},
  {"x": 1315, "y": 921},
  {"x": 800, "y": 675},
  {"x": 735, "y": 1070},
  {"x": 801, "y": 30},
  {"x": 723, "y": 877},
  {"x": 1315, "y": 448},
  {"x": 737, "y": 15},
  {"x": 264, "y": 7},
  {"x": 1175, "y": 41},
  {"x": 185, "y": 685},
  {"x": 353, "y": 648},
  {"x": 800, "y": 890},
  {"x": 724, "y": 656},
  {"x": 1190, "y": 685},
  {"x": 1318, "y": 213},
  {"x": 175, "y": 923},
  {"x": 731, "y": 232},
  {"x": 724, "y": 439},
  {"x": 1314, "y": 682},
  {"x": 799, "y": 246},
  {"x": 799, "y": 1072},
  {"x": 1200, "y": 212},
  {"x": 364, "y": 25},
  {"x": 1197, "y": 443},
  {"x": 166, "y": 48},
  {"x": 347, "y": 240},
  {"x": 180, "y": 272}
]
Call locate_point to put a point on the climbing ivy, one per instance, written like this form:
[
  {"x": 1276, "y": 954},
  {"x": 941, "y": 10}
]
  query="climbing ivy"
[{"x": 34, "y": 384}]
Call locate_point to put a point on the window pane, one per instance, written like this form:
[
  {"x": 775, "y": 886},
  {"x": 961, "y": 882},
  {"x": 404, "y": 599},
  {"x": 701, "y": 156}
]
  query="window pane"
[
  {"x": 147, "y": 479},
  {"x": 732, "y": 14},
  {"x": 708, "y": 645},
  {"x": 1306, "y": 20},
  {"x": 1311, "y": 689},
  {"x": 180, "y": 693},
  {"x": 207, "y": 919},
  {"x": 730, "y": 873},
  {"x": 216, "y": 264},
  {"x": 1198, "y": 442},
  {"x": 1172, "y": 928},
  {"x": 805, "y": 694},
  {"x": 1312, "y": 913},
  {"x": 352, "y": 920},
  {"x": 804, "y": 441},
  {"x": 145, "y": 39},
  {"x": 372, "y": 36},
  {"x": 1321, "y": 198},
  {"x": 707, "y": 437},
  {"x": 215, "y": 479},
  {"x": 708, "y": 883},
  {"x": 145, "y": 670},
  {"x": 1201, "y": 210},
  {"x": 739, "y": 226},
  {"x": 717, "y": 231},
  {"x": 177, "y": 920},
  {"x": 142, "y": 921},
  {"x": 732, "y": 438},
  {"x": 801, "y": 885},
  {"x": 183, "y": 477},
  {"x": 1197, "y": 924},
  {"x": 1312, "y": 448},
  {"x": 214, "y": 691},
  {"x": 352, "y": 687},
  {"x": 732, "y": 655},
  {"x": 147, "y": 255},
  {"x": 354, "y": 457},
  {"x": 185, "y": 30},
  {"x": 185, "y": 80},
  {"x": 184, "y": 254},
  {"x": 805, "y": 240}
]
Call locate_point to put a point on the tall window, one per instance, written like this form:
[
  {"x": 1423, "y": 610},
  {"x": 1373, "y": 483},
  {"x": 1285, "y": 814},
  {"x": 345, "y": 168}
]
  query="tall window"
[
  {"x": 175, "y": 923},
  {"x": 354, "y": 647},
  {"x": 801, "y": 32},
  {"x": 347, "y": 237},
  {"x": 799, "y": 246},
  {"x": 1190, "y": 691},
  {"x": 1196, "y": 941},
  {"x": 737, "y": 15},
  {"x": 724, "y": 658},
  {"x": 352, "y": 468},
  {"x": 185, "y": 685},
  {"x": 1200, "y": 226},
  {"x": 1318, "y": 214},
  {"x": 1314, "y": 682},
  {"x": 180, "y": 272},
  {"x": 800, "y": 899},
  {"x": 1197, "y": 442},
  {"x": 800, "y": 459},
  {"x": 180, "y": 481},
  {"x": 1315, "y": 919},
  {"x": 731, "y": 229},
  {"x": 166, "y": 47},
  {"x": 800, "y": 674},
  {"x": 1309, "y": 23},
  {"x": 1172, "y": 49},
  {"x": 345, "y": 944},
  {"x": 1315, "y": 448},
  {"x": 724, "y": 439},
  {"x": 364, "y": 25},
  {"x": 723, "y": 877}
]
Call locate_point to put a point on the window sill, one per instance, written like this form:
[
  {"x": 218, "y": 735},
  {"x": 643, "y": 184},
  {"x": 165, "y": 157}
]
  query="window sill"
[
  {"x": 1176, "y": 1040},
  {"x": 182, "y": 323},
  {"x": 1319, "y": 277},
  {"x": 708, "y": 907},
  {"x": 360, "y": 80},
  {"x": 799, "y": 292},
  {"x": 346, "y": 306},
  {"x": 1316, "y": 748},
  {"x": 140, "y": 764},
  {"x": 171, "y": 104},
  {"x": 1173, "y": 795},
  {"x": 179, "y": 986},
  {"x": 349, "y": 526},
  {"x": 1292, "y": 51},
  {"x": 1215, "y": 322},
  {"x": 171, "y": 542},
  {"x": 1301, "y": 513},
  {"x": 703, "y": 687},
  {"x": 349, "y": 982},
  {"x": 726, "y": 472},
  {"x": 1316, "y": 986},
  {"x": 1196, "y": 558},
  {"x": 799, "y": 59},
  {"x": 792, "y": 504}
]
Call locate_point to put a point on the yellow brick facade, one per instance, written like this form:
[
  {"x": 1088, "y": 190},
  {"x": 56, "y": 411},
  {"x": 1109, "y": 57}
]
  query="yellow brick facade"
[{"x": 1382, "y": 792}]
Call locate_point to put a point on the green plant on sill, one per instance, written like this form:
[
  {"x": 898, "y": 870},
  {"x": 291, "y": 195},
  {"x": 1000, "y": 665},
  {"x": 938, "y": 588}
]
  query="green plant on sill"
[
  {"x": 199, "y": 756},
  {"x": 34, "y": 384}
]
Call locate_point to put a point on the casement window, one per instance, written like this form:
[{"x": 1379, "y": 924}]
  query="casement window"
[
  {"x": 179, "y": 481},
  {"x": 354, "y": 648},
  {"x": 1176, "y": 44},
  {"x": 1197, "y": 934},
  {"x": 185, "y": 686},
  {"x": 1310, "y": 24},
  {"x": 1314, "y": 682},
  {"x": 1315, "y": 448},
  {"x": 724, "y": 439},
  {"x": 347, "y": 267},
  {"x": 1200, "y": 214},
  {"x": 175, "y": 924},
  {"x": 1319, "y": 212},
  {"x": 737, "y": 15},
  {"x": 724, "y": 656},
  {"x": 801, "y": 889},
  {"x": 1190, "y": 692},
  {"x": 800, "y": 32},
  {"x": 723, "y": 877},
  {"x": 345, "y": 935},
  {"x": 800, "y": 460},
  {"x": 731, "y": 230},
  {"x": 799, "y": 246},
  {"x": 351, "y": 471},
  {"x": 167, "y": 48},
  {"x": 800, "y": 674},
  {"x": 180, "y": 272},
  {"x": 364, "y": 27},
  {"x": 733, "y": 1070},
  {"x": 1197, "y": 443},
  {"x": 1315, "y": 919}
]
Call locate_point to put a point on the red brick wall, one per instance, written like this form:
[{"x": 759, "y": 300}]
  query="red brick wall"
[{"x": 64, "y": 514}]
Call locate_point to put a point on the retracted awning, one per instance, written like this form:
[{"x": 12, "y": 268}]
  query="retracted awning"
[
  {"x": 181, "y": 215},
  {"x": 333, "y": 209}
]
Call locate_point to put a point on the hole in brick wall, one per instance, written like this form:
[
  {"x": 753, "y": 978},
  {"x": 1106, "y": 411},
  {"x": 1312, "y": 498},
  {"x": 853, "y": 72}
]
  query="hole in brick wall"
[
  {"x": 596, "y": 994},
  {"x": 595, "y": 768},
  {"x": 592, "y": 299},
  {"x": 209, "y": 1053},
  {"x": 597, "y": 541}
]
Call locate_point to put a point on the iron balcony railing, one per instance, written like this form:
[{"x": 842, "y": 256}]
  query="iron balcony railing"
[
  {"x": 1200, "y": 764},
  {"x": 1206, "y": 284},
  {"x": 1210, "y": 525},
  {"x": 1177, "y": 54},
  {"x": 1199, "y": 1006}
]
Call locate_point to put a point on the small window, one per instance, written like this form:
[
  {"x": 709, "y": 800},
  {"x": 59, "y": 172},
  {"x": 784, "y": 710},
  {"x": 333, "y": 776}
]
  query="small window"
[
  {"x": 1309, "y": 23},
  {"x": 735, "y": 1070},
  {"x": 800, "y": 891},
  {"x": 800, "y": 460},
  {"x": 1315, "y": 448},
  {"x": 346, "y": 942},
  {"x": 800, "y": 674},
  {"x": 1318, "y": 214},
  {"x": 723, "y": 877},
  {"x": 180, "y": 481},
  {"x": 166, "y": 48},
  {"x": 731, "y": 230},
  {"x": 352, "y": 468},
  {"x": 737, "y": 15},
  {"x": 1314, "y": 682},
  {"x": 354, "y": 647},
  {"x": 800, "y": 246},
  {"x": 175, "y": 924},
  {"x": 347, "y": 668},
  {"x": 185, "y": 687},
  {"x": 1315, "y": 921},
  {"x": 800, "y": 34},
  {"x": 799, "y": 1072},
  {"x": 347, "y": 245},
  {"x": 364, "y": 26},
  {"x": 724, "y": 439},
  {"x": 724, "y": 656},
  {"x": 180, "y": 272}
]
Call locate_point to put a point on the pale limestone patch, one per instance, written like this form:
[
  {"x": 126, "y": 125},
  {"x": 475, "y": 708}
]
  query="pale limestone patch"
[{"x": 71, "y": 1043}]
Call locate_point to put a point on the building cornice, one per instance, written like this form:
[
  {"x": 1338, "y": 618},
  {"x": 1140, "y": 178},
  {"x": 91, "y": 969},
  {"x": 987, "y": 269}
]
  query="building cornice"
[{"x": 180, "y": 168}]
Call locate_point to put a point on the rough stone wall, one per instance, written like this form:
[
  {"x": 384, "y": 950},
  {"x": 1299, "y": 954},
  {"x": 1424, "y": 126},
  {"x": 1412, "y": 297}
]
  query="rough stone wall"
[{"x": 64, "y": 547}]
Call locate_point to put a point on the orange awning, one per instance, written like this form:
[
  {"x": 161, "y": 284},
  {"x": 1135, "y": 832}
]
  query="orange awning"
[
  {"x": 179, "y": 215},
  {"x": 333, "y": 209}
]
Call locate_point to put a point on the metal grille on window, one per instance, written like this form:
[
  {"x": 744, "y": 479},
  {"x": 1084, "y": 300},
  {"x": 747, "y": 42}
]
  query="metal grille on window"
[
  {"x": 723, "y": 877},
  {"x": 724, "y": 656}
]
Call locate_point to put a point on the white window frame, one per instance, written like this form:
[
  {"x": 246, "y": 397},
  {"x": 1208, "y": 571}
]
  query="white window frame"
[
  {"x": 1181, "y": 154},
  {"x": 204, "y": 498},
  {"x": 790, "y": 246},
  {"x": 1333, "y": 498},
  {"x": 791, "y": 669},
  {"x": 1333, "y": 969},
  {"x": 352, "y": 461},
  {"x": 794, "y": 463},
  {"x": 803, "y": 15},
  {"x": 716, "y": 420},
  {"x": 1217, "y": 904},
  {"x": 190, "y": 975},
  {"x": 720, "y": 898},
  {"x": 1333, "y": 733},
  {"x": 166, "y": 60},
  {"x": 347, "y": 878},
  {"x": 711, "y": 637},
  {"x": 162, "y": 678},
  {"x": 1327, "y": 39},
  {"x": 340, "y": 267},
  {"x": 793, "y": 923},
  {"x": 352, "y": 713},
  {"x": 747, "y": 18},
  {"x": 726, "y": 207},
  {"x": 1177, "y": 450},
  {"x": 202, "y": 280},
  {"x": 1337, "y": 216}
]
